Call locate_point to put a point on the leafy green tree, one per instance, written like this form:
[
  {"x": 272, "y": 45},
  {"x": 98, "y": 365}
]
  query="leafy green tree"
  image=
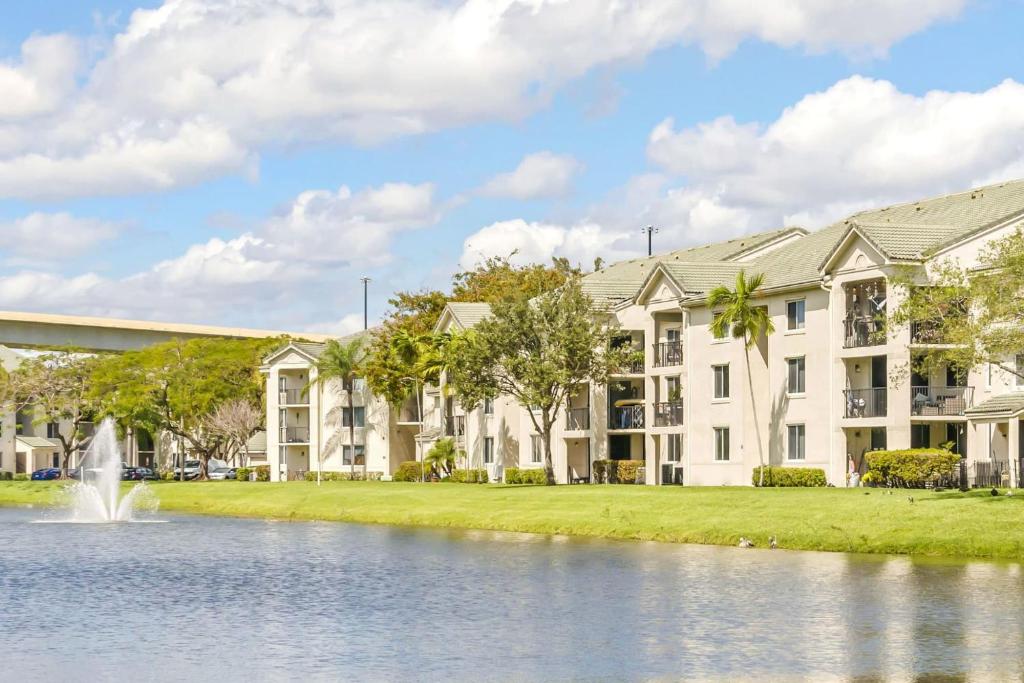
[
  {"x": 970, "y": 317},
  {"x": 55, "y": 389},
  {"x": 441, "y": 457},
  {"x": 341, "y": 364},
  {"x": 174, "y": 387},
  {"x": 743, "y": 318},
  {"x": 538, "y": 351}
]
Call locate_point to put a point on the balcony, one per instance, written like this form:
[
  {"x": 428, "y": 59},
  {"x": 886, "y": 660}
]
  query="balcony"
[
  {"x": 940, "y": 401},
  {"x": 633, "y": 364},
  {"x": 866, "y": 402},
  {"x": 863, "y": 331},
  {"x": 293, "y": 397},
  {"x": 577, "y": 419},
  {"x": 668, "y": 414},
  {"x": 626, "y": 417},
  {"x": 295, "y": 435},
  {"x": 455, "y": 426},
  {"x": 667, "y": 354},
  {"x": 925, "y": 332}
]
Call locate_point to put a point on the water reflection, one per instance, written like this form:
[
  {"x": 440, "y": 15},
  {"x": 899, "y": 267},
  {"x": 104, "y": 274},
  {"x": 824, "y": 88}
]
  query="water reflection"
[{"x": 232, "y": 599}]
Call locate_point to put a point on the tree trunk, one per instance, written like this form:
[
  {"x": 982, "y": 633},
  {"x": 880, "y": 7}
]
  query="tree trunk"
[
  {"x": 352, "y": 431},
  {"x": 753, "y": 412},
  {"x": 549, "y": 465},
  {"x": 65, "y": 461},
  {"x": 204, "y": 467}
]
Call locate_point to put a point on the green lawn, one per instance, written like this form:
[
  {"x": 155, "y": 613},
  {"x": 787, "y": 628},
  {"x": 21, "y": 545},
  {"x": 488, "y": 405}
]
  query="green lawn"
[{"x": 938, "y": 524}]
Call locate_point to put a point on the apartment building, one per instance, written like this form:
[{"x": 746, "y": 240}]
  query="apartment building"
[
  {"x": 306, "y": 418},
  {"x": 830, "y": 384}
]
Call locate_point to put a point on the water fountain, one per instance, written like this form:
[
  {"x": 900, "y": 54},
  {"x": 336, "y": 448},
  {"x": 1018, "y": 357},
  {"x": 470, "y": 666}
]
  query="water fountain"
[{"x": 96, "y": 497}]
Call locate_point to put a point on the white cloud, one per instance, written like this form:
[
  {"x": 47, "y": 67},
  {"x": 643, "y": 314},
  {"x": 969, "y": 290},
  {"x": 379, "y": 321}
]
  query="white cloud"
[
  {"x": 859, "y": 143},
  {"x": 196, "y": 88},
  {"x": 55, "y": 236},
  {"x": 348, "y": 324},
  {"x": 535, "y": 242},
  {"x": 539, "y": 175}
]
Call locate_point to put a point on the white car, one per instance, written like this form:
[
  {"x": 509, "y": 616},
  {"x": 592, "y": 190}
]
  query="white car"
[{"x": 222, "y": 473}]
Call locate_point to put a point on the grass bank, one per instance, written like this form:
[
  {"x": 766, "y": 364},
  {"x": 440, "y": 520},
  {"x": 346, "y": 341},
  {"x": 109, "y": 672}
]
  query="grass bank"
[{"x": 948, "y": 524}]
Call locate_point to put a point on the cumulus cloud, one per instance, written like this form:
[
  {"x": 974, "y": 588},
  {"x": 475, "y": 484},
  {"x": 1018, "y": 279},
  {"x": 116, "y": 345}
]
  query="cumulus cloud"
[
  {"x": 348, "y": 324},
  {"x": 54, "y": 236},
  {"x": 535, "y": 242},
  {"x": 197, "y": 88},
  {"x": 539, "y": 175}
]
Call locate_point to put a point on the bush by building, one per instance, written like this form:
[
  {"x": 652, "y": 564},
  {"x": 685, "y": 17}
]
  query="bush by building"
[
  {"x": 617, "y": 471},
  {"x": 791, "y": 476},
  {"x": 474, "y": 476},
  {"x": 410, "y": 470},
  {"x": 536, "y": 476},
  {"x": 911, "y": 468}
]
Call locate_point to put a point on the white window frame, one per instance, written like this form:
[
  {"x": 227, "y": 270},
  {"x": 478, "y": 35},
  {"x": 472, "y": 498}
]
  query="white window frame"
[
  {"x": 347, "y": 450},
  {"x": 800, "y": 444},
  {"x": 802, "y": 323},
  {"x": 719, "y": 432},
  {"x": 714, "y": 382},
  {"x": 536, "y": 449},
  {"x": 488, "y": 450},
  {"x": 789, "y": 375}
]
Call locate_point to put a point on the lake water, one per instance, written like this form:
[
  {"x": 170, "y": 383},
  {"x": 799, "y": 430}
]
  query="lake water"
[{"x": 224, "y": 599}]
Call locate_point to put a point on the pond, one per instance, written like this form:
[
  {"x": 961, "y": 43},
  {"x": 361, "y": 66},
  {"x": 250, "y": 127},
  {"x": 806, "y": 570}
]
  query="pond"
[{"x": 210, "y": 598}]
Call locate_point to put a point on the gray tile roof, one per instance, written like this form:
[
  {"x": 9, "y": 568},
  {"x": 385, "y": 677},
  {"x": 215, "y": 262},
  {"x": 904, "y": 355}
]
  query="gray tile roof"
[
  {"x": 258, "y": 443},
  {"x": 467, "y": 314},
  {"x": 1003, "y": 405}
]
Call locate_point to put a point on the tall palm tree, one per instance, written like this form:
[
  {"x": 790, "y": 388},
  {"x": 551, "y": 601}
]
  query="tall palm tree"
[
  {"x": 342, "y": 362},
  {"x": 742, "y": 318}
]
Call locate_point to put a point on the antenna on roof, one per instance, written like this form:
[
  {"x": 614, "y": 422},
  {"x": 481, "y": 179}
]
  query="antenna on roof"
[{"x": 650, "y": 230}]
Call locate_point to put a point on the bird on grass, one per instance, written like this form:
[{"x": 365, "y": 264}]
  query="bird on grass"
[
  {"x": 995, "y": 493},
  {"x": 772, "y": 545},
  {"x": 910, "y": 499},
  {"x": 746, "y": 542}
]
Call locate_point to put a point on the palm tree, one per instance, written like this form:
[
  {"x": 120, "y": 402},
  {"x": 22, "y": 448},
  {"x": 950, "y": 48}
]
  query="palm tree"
[
  {"x": 743, "y": 319},
  {"x": 342, "y": 362},
  {"x": 441, "y": 457}
]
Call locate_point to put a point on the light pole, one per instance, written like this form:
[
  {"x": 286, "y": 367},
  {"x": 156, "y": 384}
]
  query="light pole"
[
  {"x": 366, "y": 319},
  {"x": 650, "y": 230}
]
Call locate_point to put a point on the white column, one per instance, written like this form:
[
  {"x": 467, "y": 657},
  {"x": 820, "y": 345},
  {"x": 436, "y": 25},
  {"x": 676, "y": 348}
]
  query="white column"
[{"x": 1013, "y": 448}]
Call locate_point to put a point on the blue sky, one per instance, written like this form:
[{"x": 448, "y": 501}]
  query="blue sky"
[{"x": 186, "y": 163}]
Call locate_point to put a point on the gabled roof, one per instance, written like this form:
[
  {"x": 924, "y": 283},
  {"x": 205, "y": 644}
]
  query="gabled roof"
[
  {"x": 31, "y": 442},
  {"x": 258, "y": 442},
  {"x": 1001, "y": 406},
  {"x": 313, "y": 350},
  {"x": 465, "y": 315}
]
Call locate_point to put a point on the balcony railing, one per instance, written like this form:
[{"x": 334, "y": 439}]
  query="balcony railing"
[
  {"x": 455, "y": 425},
  {"x": 866, "y": 402},
  {"x": 864, "y": 331},
  {"x": 925, "y": 332},
  {"x": 632, "y": 365},
  {"x": 626, "y": 417},
  {"x": 295, "y": 435},
  {"x": 668, "y": 414},
  {"x": 926, "y": 401},
  {"x": 668, "y": 353},
  {"x": 293, "y": 397},
  {"x": 577, "y": 419}
]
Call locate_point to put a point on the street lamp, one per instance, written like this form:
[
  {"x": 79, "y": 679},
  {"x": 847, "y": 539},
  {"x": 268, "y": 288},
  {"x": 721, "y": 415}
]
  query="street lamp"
[
  {"x": 366, "y": 319},
  {"x": 419, "y": 415},
  {"x": 650, "y": 230}
]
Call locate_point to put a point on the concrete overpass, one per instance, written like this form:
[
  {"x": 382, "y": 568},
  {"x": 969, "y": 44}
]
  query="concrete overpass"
[{"x": 41, "y": 330}]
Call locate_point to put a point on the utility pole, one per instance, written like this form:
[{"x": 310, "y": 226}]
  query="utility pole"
[
  {"x": 650, "y": 230},
  {"x": 366, "y": 318}
]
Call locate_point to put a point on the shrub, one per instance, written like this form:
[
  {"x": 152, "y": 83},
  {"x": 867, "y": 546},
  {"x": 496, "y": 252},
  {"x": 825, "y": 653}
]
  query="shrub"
[
  {"x": 410, "y": 470},
  {"x": 167, "y": 475},
  {"x": 343, "y": 476},
  {"x": 911, "y": 468},
  {"x": 262, "y": 472},
  {"x": 791, "y": 476},
  {"x": 242, "y": 473},
  {"x": 5, "y": 476},
  {"x": 21, "y": 476},
  {"x": 475, "y": 476},
  {"x": 617, "y": 471},
  {"x": 601, "y": 468},
  {"x": 536, "y": 476}
]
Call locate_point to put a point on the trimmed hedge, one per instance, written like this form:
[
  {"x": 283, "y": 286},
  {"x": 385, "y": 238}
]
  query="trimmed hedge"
[
  {"x": 791, "y": 476},
  {"x": 343, "y": 476},
  {"x": 242, "y": 473},
  {"x": 21, "y": 477},
  {"x": 410, "y": 470},
  {"x": 262, "y": 472},
  {"x": 616, "y": 471},
  {"x": 6, "y": 476},
  {"x": 536, "y": 476},
  {"x": 912, "y": 468},
  {"x": 467, "y": 477}
]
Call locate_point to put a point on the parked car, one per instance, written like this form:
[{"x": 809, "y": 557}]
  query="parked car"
[
  {"x": 141, "y": 474},
  {"x": 191, "y": 470},
  {"x": 46, "y": 474},
  {"x": 223, "y": 473}
]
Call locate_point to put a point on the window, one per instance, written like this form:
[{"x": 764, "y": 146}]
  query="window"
[
  {"x": 52, "y": 430},
  {"x": 721, "y": 380},
  {"x": 721, "y": 443},
  {"x": 797, "y": 376},
  {"x": 488, "y": 450},
  {"x": 795, "y": 314},
  {"x": 673, "y": 334},
  {"x": 796, "y": 447},
  {"x": 346, "y": 416},
  {"x": 488, "y": 406},
  {"x": 346, "y": 455},
  {"x": 672, "y": 388},
  {"x": 358, "y": 385},
  {"x": 920, "y": 436},
  {"x": 674, "y": 448},
  {"x": 536, "y": 448}
]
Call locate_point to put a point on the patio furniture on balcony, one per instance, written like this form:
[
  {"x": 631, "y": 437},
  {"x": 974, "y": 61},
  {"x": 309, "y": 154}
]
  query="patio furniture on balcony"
[
  {"x": 863, "y": 331},
  {"x": 938, "y": 401},
  {"x": 668, "y": 353},
  {"x": 668, "y": 413},
  {"x": 296, "y": 435},
  {"x": 865, "y": 402}
]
